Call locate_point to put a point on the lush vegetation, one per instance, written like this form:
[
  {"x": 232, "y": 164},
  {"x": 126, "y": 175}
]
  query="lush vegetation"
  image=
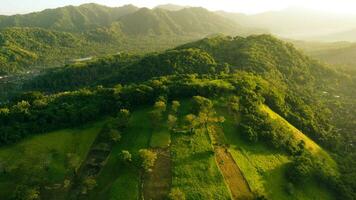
[
  {"x": 57, "y": 36},
  {"x": 47, "y": 160},
  {"x": 26, "y": 49},
  {"x": 338, "y": 54},
  {"x": 275, "y": 102}
]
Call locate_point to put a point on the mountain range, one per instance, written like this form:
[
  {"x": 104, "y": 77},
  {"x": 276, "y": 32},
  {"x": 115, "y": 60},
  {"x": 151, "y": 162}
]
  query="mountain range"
[
  {"x": 299, "y": 23},
  {"x": 54, "y": 36}
]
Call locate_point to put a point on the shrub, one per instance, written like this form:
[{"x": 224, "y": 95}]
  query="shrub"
[
  {"x": 176, "y": 194},
  {"x": 125, "y": 156},
  {"x": 148, "y": 159},
  {"x": 175, "y": 106},
  {"x": 301, "y": 169},
  {"x": 23, "y": 192},
  {"x": 123, "y": 118}
]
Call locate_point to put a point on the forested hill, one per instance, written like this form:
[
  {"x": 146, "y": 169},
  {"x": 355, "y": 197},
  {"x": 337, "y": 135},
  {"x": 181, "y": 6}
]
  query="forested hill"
[
  {"x": 185, "y": 21},
  {"x": 54, "y": 37},
  {"x": 132, "y": 19},
  {"x": 261, "y": 70},
  {"x": 289, "y": 70},
  {"x": 69, "y": 18},
  {"x": 262, "y": 54},
  {"x": 267, "y": 56}
]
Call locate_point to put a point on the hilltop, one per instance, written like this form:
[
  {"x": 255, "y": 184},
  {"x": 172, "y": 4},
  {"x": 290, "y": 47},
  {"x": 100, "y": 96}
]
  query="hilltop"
[{"x": 172, "y": 7}]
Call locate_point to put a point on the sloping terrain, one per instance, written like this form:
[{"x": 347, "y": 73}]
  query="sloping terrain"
[
  {"x": 300, "y": 23},
  {"x": 157, "y": 184},
  {"x": 52, "y": 158},
  {"x": 310, "y": 145},
  {"x": 264, "y": 168},
  {"x": 233, "y": 176},
  {"x": 195, "y": 171},
  {"x": 69, "y": 18},
  {"x": 55, "y": 37},
  {"x": 223, "y": 84},
  {"x": 343, "y": 57}
]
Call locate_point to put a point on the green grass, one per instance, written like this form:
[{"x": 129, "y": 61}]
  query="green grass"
[
  {"x": 310, "y": 145},
  {"x": 194, "y": 168},
  {"x": 264, "y": 168},
  {"x": 118, "y": 181},
  {"x": 28, "y": 158},
  {"x": 160, "y": 138},
  {"x": 195, "y": 172}
]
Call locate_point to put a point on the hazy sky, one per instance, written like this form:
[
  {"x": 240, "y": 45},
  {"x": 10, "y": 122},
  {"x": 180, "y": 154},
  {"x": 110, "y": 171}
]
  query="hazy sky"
[{"x": 245, "y": 6}]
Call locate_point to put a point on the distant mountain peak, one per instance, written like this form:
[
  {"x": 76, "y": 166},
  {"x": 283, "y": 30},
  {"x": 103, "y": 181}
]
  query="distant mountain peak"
[{"x": 172, "y": 7}]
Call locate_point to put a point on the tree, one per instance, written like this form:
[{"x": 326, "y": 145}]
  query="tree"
[
  {"x": 114, "y": 135},
  {"x": 176, "y": 194},
  {"x": 73, "y": 161},
  {"x": 175, "y": 107},
  {"x": 125, "y": 156},
  {"x": 148, "y": 159},
  {"x": 23, "y": 192},
  {"x": 158, "y": 110},
  {"x": 302, "y": 168},
  {"x": 172, "y": 121},
  {"x": 123, "y": 118},
  {"x": 209, "y": 117},
  {"x": 190, "y": 121},
  {"x": 89, "y": 183},
  {"x": 206, "y": 113},
  {"x": 22, "y": 107},
  {"x": 234, "y": 104},
  {"x": 160, "y": 106},
  {"x": 201, "y": 104}
]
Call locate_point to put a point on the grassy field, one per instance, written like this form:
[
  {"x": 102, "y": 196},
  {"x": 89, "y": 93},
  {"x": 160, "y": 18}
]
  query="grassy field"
[
  {"x": 298, "y": 135},
  {"x": 44, "y": 156},
  {"x": 161, "y": 138},
  {"x": 118, "y": 181},
  {"x": 195, "y": 171},
  {"x": 194, "y": 168},
  {"x": 264, "y": 168}
]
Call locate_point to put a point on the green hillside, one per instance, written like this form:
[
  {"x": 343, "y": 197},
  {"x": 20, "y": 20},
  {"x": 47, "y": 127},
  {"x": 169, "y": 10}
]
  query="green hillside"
[
  {"x": 293, "y": 72},
  {"x": 252, "y": 121},
  {"x": 69, "y": 18},
  {"x": 49, "y": 158},
  {"x": 342, "y": 57},
  {"x": 263, "y": 166},
  {"x": 24, "y": 49},
  {"x": 261, "y": 54},
  {"x": 54, "y": 37},
  {"x": 336, "y": 54},
  {"x": 194, "y": 171}
]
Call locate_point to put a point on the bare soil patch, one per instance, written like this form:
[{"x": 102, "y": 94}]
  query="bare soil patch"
[
  {"x": 233, "y": 176},
  {"x": 157, "y": 184}
]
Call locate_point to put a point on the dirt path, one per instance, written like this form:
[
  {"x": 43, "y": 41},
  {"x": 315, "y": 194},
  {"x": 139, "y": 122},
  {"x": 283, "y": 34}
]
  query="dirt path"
[
  {"x": 233, "y": 176},
  {"x": 157, "y": 184},
  {"x": 238, "y": 186},
  {"x": 91, "y": 166}
]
